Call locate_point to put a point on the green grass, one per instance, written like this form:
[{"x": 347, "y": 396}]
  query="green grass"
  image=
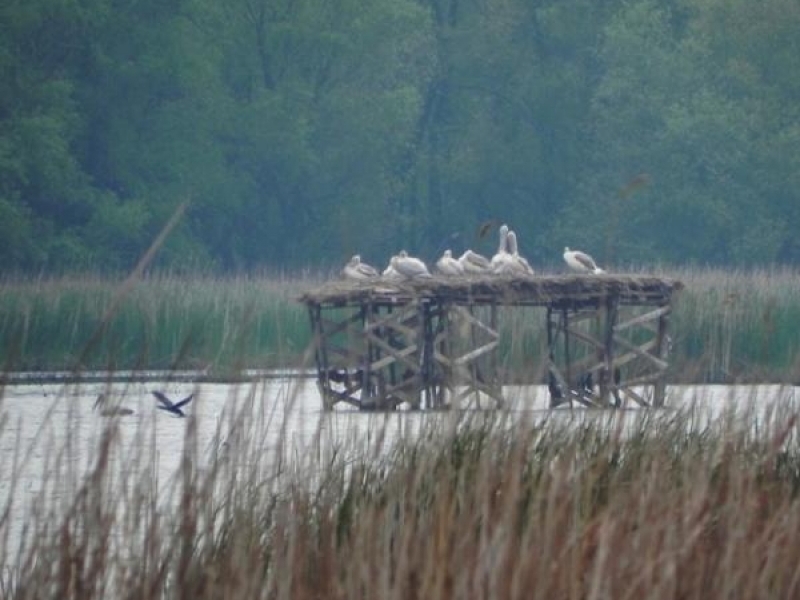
[
  {"x": 161, "y": 322},
  {"x": 727, "y": 325}
]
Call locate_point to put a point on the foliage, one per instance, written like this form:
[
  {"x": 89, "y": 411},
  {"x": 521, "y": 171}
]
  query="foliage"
[
  {"x": 301, "y": 134},
  {"x": 727, "y": 326}
]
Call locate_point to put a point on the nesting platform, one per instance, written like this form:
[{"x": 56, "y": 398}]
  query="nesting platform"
[{"x": 432, "y": 343}]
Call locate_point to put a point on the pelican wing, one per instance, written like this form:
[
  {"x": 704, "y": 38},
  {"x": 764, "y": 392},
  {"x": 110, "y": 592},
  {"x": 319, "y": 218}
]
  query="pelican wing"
[
  {"x": 474, "y": 260},
  {"x": 585, "y": 260},
  {"x": 410, "y": 267},
  {"x": 367, "y": 270}
]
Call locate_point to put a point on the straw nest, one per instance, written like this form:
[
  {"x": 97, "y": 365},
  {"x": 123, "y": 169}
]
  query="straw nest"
[{"x": 492, "y": 289}]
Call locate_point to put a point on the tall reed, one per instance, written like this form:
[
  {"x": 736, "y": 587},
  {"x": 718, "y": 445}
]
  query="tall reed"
[
  {"x": 165, "y": 321},
  {"x": 726, "y": 326},
  {"x": 491, "y": 505}
]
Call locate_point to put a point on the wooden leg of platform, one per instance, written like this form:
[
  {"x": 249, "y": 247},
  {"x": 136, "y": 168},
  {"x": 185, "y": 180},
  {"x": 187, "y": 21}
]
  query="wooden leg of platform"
[{"x": 659, "y": 386}]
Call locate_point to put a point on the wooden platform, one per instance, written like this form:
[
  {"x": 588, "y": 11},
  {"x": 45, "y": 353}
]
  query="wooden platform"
[{"x": 431, "y": 343}]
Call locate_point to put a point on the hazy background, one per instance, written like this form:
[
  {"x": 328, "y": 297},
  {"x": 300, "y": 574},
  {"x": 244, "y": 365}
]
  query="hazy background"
[{"x": 302, "y": 131}]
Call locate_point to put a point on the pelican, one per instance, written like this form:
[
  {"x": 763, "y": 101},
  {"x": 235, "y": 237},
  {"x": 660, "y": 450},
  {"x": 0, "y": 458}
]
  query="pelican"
[
  {"x": 447, "y": 265},
  {"x": 498, "y": 260},
  {"x": 390, "y": 274},
  {"x": 521, "y": 264},
  {"x": 502, "y": 262},
  {"x": 357, "y": 270},
  {"x": 473, "y": 262},
  {"x": 580, "y": 261},
  {"x": 170, "y": 406},
  {"x": 107, "y": 409},
  {"x": 408, "y": 266}
]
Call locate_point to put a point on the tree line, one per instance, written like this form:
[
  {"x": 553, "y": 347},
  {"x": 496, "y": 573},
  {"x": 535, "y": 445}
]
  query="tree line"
[{"x": 301, "y": 132}]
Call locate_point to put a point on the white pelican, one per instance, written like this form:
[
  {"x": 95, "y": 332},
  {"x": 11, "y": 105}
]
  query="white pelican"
[
  {"x": 502, "y": 262},
  {"x": 408, "y": 266},
  {"x": 357, "y": 270},
  {"x": 447, "y": 265},
  {"x": 474, "y": 263},
  {"x": 521, "y": 264},
  {"x": 580, "y": 261},
  {"x": 110, "y": 409},
  {"x": 390, "y": 274}
]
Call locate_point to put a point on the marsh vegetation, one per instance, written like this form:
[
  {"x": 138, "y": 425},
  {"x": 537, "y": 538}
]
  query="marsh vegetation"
[
  {"x": 727, "y": 326},
  {"x": 488, "y": 504}
]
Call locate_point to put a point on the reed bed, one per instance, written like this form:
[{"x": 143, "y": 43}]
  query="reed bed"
[
  {"x": 727, "y": 325},
  {"x": 478, "y": 505},
  {"x": 162, "y": 322}
]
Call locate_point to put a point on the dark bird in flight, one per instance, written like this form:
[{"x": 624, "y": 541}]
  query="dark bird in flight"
[{"x": 170, "y": 406}]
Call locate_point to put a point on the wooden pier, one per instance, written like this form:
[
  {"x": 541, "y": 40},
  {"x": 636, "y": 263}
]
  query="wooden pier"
[{"x": 433, "y": 343}]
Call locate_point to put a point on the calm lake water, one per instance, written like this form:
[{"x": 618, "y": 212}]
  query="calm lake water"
[{"x": 52, "y": 429}]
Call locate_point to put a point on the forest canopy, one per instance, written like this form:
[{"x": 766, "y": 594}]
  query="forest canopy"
[{"x": 301, "y": 132}]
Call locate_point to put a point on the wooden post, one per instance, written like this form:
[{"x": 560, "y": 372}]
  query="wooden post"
[
  {"x": 320, "y": 355},
  {"x": 659, "y": 386},
  {"x": 367, "y": 400},
  {"x": 607, "y": 373},
  {"x": 567, "y": 358},
  {"x": 494, "y": 377}
]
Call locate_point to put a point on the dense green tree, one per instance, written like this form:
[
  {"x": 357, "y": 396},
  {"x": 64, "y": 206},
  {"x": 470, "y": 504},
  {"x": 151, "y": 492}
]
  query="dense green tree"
[
  {"x": 302, "y": 132},
  {"x": 684, "y": 100}
]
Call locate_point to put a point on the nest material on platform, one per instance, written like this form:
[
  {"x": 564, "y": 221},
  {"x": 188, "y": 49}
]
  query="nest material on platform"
[{"x": 531, "y": 290}]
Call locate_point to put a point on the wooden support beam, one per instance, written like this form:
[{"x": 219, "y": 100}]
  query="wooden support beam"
[
  {"x": 395, "y": 320},
  {"x": 567, "y": 358},
  {"x": 659, "y": 388},
  {"x": 398, "y": 354},
  {"x": 584, "y": 337},
  {"x": 469, "y": 318},
  {"x": 475, "y": 354},
  {"x": 606, "y": 375},
  {"x": 638, "y": 350},
  {"x": 621, "y": 360},
  {"x": 634, "y": 396},
  {"x": 643, "y": 380},
  {"x": 643, "y": 319},
  {"x": 333, "y": 327}
]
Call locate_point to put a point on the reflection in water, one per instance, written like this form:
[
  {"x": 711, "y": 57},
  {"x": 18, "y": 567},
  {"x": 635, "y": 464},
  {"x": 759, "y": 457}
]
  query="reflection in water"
[{"x": 49, "y": 433}]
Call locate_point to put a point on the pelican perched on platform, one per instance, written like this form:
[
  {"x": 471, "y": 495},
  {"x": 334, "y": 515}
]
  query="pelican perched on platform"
[
  {"x": 391, "y": 274},
  {"x": 474, "y": 263},
  {"x": 172, "y": 407},
  {"x": 447, "y": 265},
  {"x": 580, "y": 262},
  {"x": 357, "y": 270},
  {"x": 502, "y": 261},
  {"x": 108, "y": 408},
  {"x": 521, "y": 264},
  {"x": 408, "y": 266}
]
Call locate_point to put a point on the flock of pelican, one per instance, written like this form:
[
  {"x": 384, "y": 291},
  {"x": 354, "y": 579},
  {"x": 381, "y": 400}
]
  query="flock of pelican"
[{"x": 506, "y": 261}]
